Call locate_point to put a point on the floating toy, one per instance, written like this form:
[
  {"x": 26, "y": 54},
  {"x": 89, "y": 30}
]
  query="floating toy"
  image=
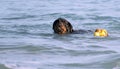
[{"x": 101, "y": 33}]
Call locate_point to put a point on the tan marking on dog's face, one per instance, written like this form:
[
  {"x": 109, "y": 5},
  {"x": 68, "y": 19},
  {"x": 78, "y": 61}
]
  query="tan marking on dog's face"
[{"x": 62, "y": 29}]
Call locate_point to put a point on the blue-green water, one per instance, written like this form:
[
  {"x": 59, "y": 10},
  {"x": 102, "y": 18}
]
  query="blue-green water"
[{"x": 27, "y": 40}]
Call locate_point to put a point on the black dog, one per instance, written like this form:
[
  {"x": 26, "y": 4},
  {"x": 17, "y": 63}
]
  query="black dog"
[{"x": 62, "y": 26}]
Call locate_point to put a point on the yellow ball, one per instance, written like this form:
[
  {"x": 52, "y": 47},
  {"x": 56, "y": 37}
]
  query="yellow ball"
[{"x": 101, "y": 33}]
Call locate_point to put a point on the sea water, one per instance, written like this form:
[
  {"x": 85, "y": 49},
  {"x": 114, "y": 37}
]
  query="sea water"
[{"x": 27, "y": 40}]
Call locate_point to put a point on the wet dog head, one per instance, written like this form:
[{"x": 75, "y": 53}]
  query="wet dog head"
[{"x": 62, "y": 26}]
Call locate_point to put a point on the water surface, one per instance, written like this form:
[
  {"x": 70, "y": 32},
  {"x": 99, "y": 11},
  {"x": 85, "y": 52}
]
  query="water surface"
[{"x": 27, "y": 40}]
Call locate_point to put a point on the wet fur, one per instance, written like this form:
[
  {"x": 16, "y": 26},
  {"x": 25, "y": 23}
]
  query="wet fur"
[{"x": 58, "y": 23}]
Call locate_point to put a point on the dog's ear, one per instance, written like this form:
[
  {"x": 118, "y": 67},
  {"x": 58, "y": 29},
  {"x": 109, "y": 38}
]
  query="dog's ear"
[
  {"x": 55, "y": 24},
  {"x": 70, "y": 27}
]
